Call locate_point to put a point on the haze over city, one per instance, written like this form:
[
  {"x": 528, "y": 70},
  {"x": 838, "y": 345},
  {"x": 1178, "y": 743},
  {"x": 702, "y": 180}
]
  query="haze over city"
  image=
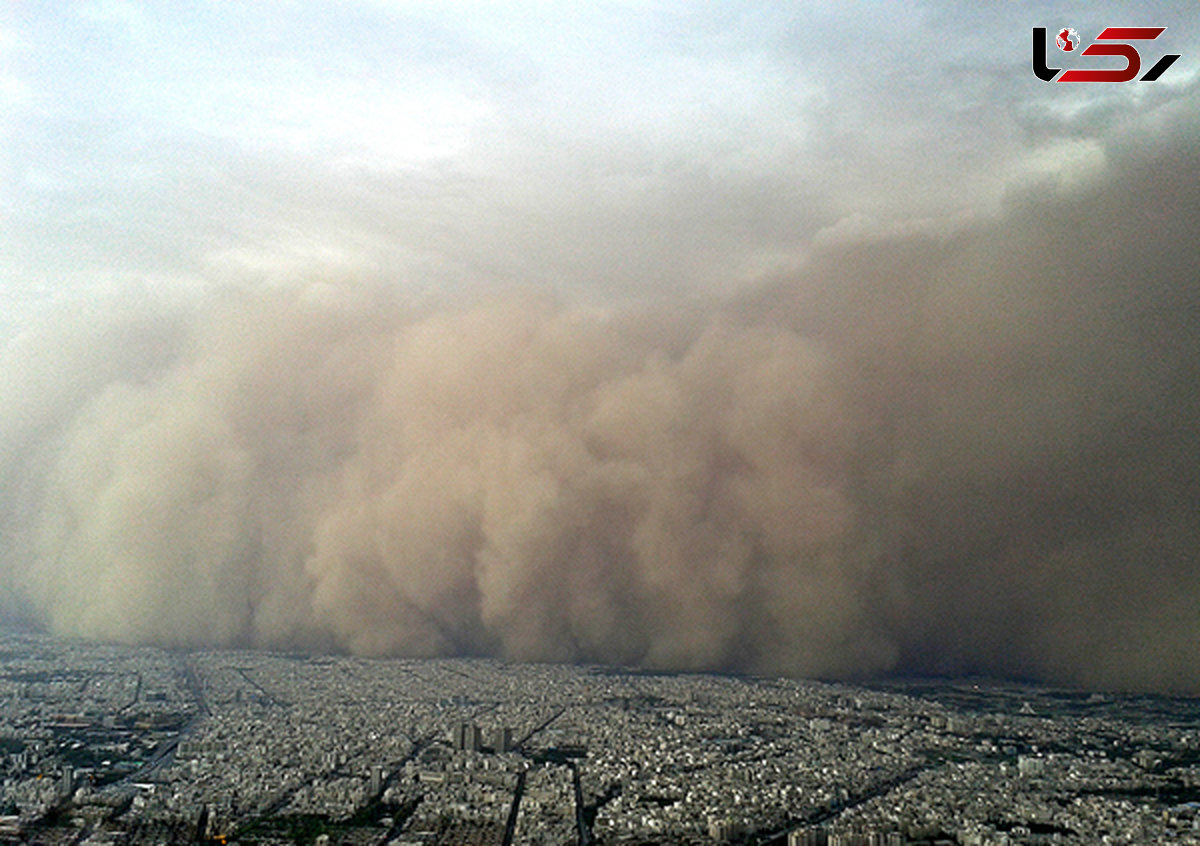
[{"x": 821, "y": 340}]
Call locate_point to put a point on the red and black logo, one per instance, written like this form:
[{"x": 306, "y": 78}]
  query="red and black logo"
[{"x": 1111, "y": 42}]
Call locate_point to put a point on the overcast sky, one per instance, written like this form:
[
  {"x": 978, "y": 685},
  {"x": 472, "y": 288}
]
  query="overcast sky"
[{"x": 616, "y": 148}]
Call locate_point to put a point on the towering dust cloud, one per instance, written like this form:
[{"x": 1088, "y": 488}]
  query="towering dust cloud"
[{"x": 972, "y": 452}]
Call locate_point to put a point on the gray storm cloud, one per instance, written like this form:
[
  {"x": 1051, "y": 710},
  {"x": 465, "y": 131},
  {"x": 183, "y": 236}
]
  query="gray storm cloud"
[{"x": 973, "y": 452}]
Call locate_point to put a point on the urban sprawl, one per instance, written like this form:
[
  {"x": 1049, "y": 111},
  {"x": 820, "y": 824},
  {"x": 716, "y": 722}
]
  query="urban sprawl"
[{"x": 106, "y": 744}]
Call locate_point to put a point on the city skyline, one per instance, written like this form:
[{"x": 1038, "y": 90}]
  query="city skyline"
[{"x": 129, "y": 745}]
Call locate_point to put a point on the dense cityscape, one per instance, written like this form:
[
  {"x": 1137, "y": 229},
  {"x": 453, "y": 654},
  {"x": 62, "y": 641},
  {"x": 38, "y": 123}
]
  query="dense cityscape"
[{"x": 113, "y": 744}]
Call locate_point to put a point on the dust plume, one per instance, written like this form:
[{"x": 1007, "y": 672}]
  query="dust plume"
[{"x": 962, "y": 452}]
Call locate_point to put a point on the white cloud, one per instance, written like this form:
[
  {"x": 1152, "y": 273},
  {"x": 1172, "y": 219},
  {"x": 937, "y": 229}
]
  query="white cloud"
[
  {"x": 612, "y": 148},
  {"x": 1065, "y": 161},
  {"x": 361, "y": 122}
]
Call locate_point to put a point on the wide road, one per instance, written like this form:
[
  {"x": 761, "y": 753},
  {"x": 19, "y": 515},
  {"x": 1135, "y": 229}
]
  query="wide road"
[{"x": 510, "y": 828}]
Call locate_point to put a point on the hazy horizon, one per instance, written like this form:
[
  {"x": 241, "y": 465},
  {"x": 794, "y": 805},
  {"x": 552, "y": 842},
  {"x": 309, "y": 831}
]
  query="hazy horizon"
[{"x": 760, "y": 339}]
